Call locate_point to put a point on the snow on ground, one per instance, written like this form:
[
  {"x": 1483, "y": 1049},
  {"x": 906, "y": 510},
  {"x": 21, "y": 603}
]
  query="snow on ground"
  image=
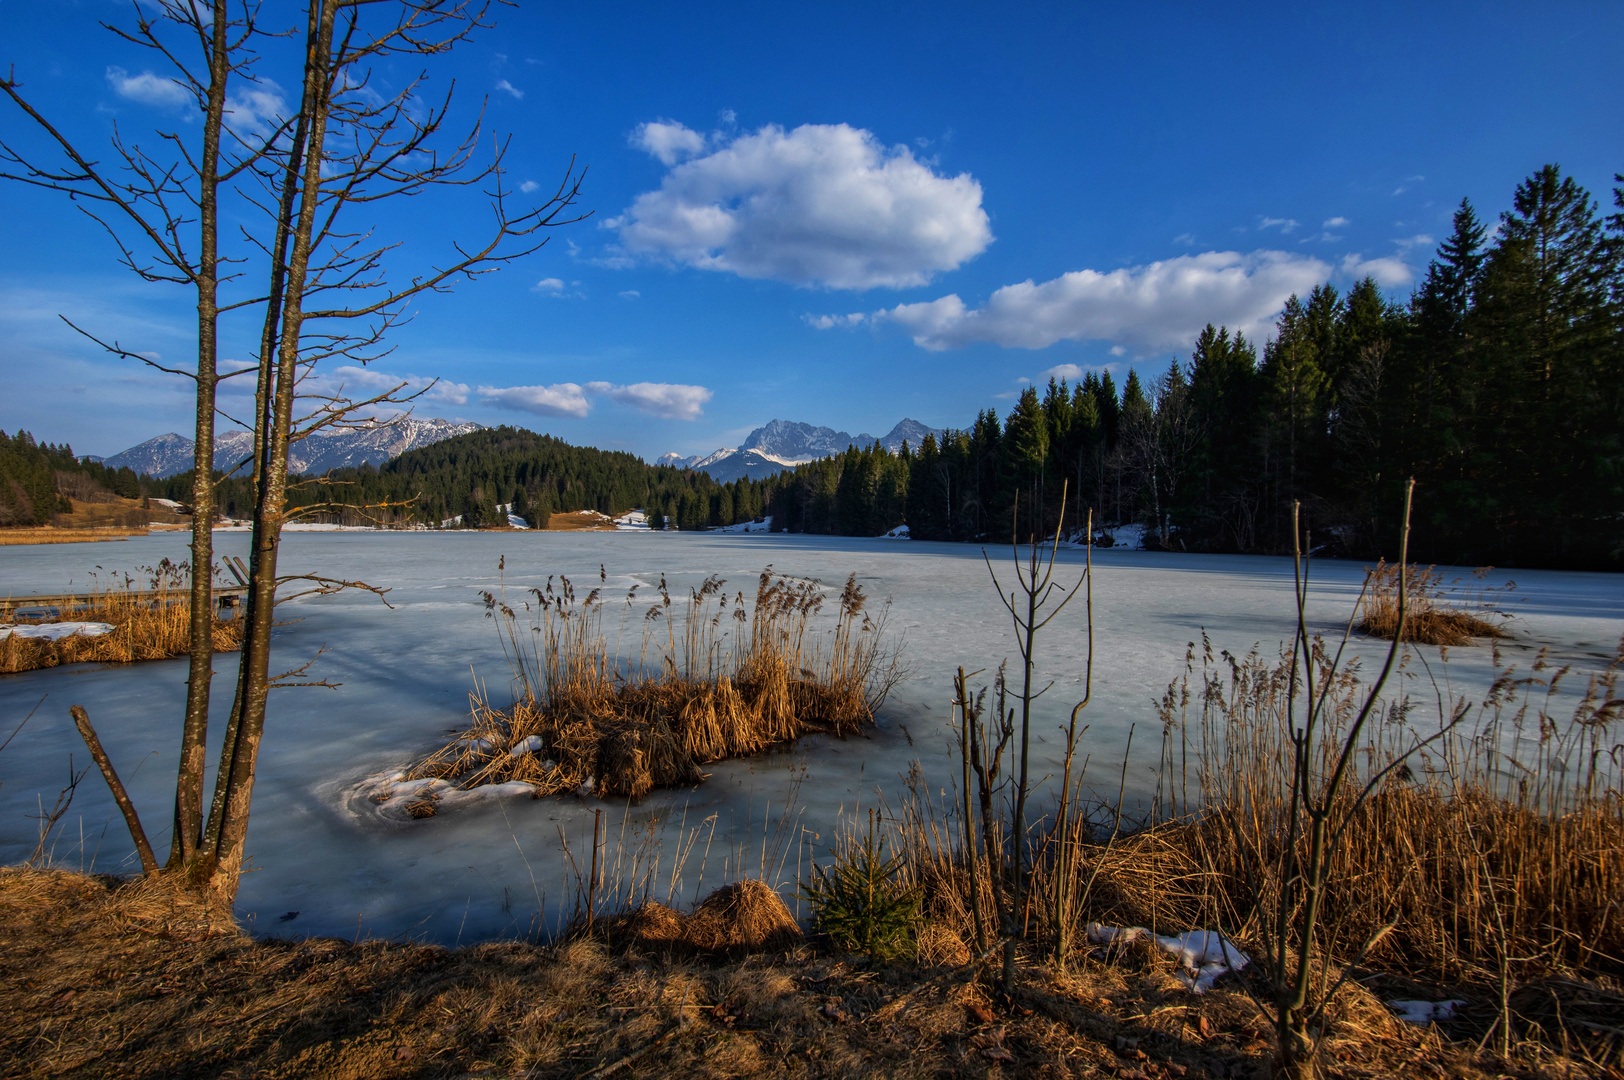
[
  {"x": 168, "y": 504},
  {"x": 1424, "y": 1012},
  {"x": 56, "y": 631},
  {"x": 1206, "y": 955},
  {"x": 764, "y": 525},
  {"x": 898, "y": 533},
  {"x": 301, "y": 526},
  {"x": 632, "y": 519}
]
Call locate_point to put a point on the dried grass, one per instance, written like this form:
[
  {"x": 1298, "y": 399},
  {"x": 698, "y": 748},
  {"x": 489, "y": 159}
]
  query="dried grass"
[
  {"x": 727, "y": 680},
  {"x": 1433, "y": 616},
  {"x": 152, "y": 625}
]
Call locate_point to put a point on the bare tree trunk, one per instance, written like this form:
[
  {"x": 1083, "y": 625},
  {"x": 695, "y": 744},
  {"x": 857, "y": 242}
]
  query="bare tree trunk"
[
  {"x": 188, "y": 829},
  {"x": 240, "y": 760}
]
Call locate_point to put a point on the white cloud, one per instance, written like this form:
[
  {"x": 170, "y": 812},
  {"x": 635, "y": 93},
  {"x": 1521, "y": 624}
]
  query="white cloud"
[
  {"x": 1118, "y": 350},
  {"x": 1390, "y": 272},
  {"x": 1285, "y": 225},
  {"x": 673, "y": 401},
  {"x": 1155, "y": 308},
  {"x": 1405, "y": 186},
  {"x": 823, "y": 204},
  {"x": 1069, "y": 372},
  {"x": 528, "y": 186},
  {"x": 668, "y": 140},
  {"x": 560, "y": 399},
  {"x": 363, "y": 382},
  {"x": 1335, "y": 222},
  {"x": 550, "y": 286},
  {"x": 831, "y": 322},
  {"x": 630, "y": 294},
  {"x": 504, "y": 85},
  {"x": 1186, "y": 239},
  {"x": 258, "y": 109},
  {"x": 147, "y": 88},
  {"x": 1418, "y": 240}
]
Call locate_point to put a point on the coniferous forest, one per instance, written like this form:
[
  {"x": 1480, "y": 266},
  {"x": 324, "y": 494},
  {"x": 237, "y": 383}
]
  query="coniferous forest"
[{"x": 1498, "y": 386}]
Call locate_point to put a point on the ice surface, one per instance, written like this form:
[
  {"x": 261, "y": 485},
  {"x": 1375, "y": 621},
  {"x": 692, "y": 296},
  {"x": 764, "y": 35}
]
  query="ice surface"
[
  {"x": 491, "y": 865},
  {"x": 55, "y": 631}
]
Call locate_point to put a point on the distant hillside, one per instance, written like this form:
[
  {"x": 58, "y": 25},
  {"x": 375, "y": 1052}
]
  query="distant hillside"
[
  {"x": 168, "y": 455},
  {"x": 781, "y": 444}
]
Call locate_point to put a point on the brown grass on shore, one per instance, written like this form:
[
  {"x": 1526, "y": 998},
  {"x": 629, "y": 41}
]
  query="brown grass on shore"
[
  {"x": 579, "y": 520},
  {"x": 108, "y": 979},
  {"x": 50, "y": 534},
  {"x": 728, "y": 681},
  {"x": 1488, "y": 867},
  {"x": 1432, "y": 618},
  {"x": 152, "y": 627}
]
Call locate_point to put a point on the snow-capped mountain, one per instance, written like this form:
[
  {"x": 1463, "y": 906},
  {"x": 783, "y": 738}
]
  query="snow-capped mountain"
[
  {"x": 169, "y": 454},
  {"x": 781, "y": 444}
]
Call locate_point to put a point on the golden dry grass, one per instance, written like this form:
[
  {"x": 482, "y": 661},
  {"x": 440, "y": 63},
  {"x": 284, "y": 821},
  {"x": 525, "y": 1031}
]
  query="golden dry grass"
[
  {"x": 580, "y": 520},
  {"x": 99, "y": 978},
  {"x": 714, "y": 679},
  {"x": 1489, "y": 867},
  {"x": 1432, "y": 616},
  {"x": 49, "y": 534},
  {"x": 152, "y": 627}
]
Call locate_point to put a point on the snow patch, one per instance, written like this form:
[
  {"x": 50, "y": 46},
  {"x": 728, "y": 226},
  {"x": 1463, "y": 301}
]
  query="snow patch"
[
  {"x": 1205, "y": 955},
  {"x": 527, "y": 745},
  {"x": 55, "y": 631},
  {"x": 764, "y": 525},
  {"x": 632, "y": 519},
  {"x": 898, "y": 533},
  {"x": 1424, "y": 1012}
]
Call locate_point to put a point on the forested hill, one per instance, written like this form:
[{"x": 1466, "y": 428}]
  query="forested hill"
[
  {"x": 37, "y": 478},
  {"x": 470, "y": 475}
]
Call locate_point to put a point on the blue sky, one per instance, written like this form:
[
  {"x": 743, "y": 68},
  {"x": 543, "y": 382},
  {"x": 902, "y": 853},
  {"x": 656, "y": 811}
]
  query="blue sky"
[{"x": 848, "y": 214}]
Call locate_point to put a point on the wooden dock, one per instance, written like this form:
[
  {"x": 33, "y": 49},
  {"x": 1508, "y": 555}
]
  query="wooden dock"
[{"x": 224, "y": 596}]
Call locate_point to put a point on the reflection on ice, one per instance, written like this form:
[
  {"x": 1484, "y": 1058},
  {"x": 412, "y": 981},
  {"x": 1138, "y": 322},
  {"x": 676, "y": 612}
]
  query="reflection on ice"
[{"x": 322, "y": 843}]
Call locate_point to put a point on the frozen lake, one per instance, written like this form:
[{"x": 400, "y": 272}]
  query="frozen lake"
[{"x": 493, "y": 869}]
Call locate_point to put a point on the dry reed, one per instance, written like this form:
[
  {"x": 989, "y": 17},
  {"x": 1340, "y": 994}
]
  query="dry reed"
[
  {"x": 714, "y": 678},
  {"x": 154, "y": 624},
  {"x": 1488, "y": 855},
  {"x": 1432, "y": 617}
]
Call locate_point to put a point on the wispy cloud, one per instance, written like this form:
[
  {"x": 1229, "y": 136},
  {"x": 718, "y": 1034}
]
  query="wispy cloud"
[
  {"x": 549, "y": 286},
  {"x": 1390, "y": 272},
  {"x": 820, "y": 205},
  {"x": 1335, "y": 222},
  {"x": 508, "y": 88},
  {"x": 148, "y": 89},
  {"x": 1285, "y": 225},
  {"x": 673, "y": 401}
]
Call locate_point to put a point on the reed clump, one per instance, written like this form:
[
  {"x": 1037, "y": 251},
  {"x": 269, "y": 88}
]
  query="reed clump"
[
  {"x": 1481, "y": 851},
  {"x": 715, "y": 677},
  {"x": 153, "y": 624},
  {"x": 1433, "y": 615}
]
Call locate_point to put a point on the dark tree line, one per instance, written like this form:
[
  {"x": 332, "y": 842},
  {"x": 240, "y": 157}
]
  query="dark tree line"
[{"x": 1499, "y": 386}]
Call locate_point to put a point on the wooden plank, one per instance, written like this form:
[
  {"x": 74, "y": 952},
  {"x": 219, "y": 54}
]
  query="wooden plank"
[{"x": 223, "y": 594}]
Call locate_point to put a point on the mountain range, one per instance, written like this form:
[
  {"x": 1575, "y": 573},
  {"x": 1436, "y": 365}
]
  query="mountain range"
[
  {"x": 781, "y": 444},
  {"x": 169, "y": 454}
]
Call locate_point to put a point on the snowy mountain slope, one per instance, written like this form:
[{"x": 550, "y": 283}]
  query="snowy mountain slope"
[
  {"x": 783, "y": 444},
  {"x": 169, "y": 454}
]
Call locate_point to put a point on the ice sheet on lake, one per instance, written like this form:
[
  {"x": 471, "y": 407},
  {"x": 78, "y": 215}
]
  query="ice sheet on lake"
[{"x": 323, "y": 848}]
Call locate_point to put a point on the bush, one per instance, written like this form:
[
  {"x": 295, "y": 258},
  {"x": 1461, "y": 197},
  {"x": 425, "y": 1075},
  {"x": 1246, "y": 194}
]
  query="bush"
[{"x": 860, "y": 903}]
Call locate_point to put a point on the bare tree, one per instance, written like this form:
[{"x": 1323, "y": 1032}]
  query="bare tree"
[
  {"x": 162, "y": 210},
  {"x": 350, "y": 149},
  {"x": 327, "y": 296}
]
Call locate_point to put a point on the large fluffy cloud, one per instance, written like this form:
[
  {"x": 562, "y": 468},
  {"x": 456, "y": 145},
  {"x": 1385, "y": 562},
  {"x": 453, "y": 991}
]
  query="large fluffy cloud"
[
  {"x": 821, "y": 205},
  {"x": 674, "y": 401},
  {"x": 1154, "y": 308}
]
